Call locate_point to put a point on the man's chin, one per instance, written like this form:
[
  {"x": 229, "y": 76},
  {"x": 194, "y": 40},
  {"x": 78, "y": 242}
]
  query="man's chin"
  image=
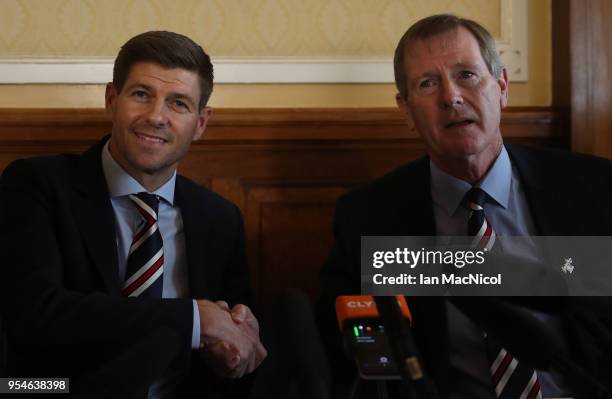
[
  {"x": 472, "y": 148},
  {"x": 148, "y": 167},
  {"x": 462, "y": 151}
]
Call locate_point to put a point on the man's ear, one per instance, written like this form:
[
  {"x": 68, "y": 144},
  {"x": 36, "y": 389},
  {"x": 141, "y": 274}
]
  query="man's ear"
[
  {"x": 502, "y": 81},
  {"x": 110, "y": 98},
  {"x": 402, "y": 104},
  {"x": 203, "y": 118}
]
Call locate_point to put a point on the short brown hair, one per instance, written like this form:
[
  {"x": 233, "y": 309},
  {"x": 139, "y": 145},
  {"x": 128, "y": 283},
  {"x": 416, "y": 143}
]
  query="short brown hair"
[
  {"x": 438, "y": 24},
  {"x": 169, "y": 50}
]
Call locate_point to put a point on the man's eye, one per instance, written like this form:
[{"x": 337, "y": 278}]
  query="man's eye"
[
  {"x": 426, "y": 83},
  {"x": 139, "y": 94},
  {"x": 181, "y": 105},
  {"x": 467, "y": 75}
]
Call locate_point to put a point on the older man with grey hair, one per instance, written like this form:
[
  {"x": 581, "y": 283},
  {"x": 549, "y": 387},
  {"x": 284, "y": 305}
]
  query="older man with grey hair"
[{"x": 452, "y": 88}]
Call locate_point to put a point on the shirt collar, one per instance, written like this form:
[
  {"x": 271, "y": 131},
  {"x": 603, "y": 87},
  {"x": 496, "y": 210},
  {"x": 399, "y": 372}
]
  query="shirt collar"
[
  {"x": 498, "y": 181},
  {"x": 120, "y": 183},
  {"x": 448, "y": 191}
]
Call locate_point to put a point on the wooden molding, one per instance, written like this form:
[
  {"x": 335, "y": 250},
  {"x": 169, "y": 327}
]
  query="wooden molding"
[{"x": 253, "y": 125}]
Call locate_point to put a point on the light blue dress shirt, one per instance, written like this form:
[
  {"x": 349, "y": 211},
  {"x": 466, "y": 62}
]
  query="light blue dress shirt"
[
  {"x": 128, "y": 220},
  {"x": 507, "y": 210}
]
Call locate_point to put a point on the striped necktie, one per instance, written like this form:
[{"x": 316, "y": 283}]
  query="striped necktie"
[
  {"x": 478, "y": 225},
  {"x": 511, "y": 379},
  {"x": 145, "y": 263}
]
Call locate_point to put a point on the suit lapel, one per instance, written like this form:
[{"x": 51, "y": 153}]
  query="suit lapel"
[
  {"x": 413, "y": 204},
  {"x": 547, "y": 196},
  {"x": 94, "y": 213},
  {"x": 196, "y": 229},
  {"x": 556, "y": 208}
]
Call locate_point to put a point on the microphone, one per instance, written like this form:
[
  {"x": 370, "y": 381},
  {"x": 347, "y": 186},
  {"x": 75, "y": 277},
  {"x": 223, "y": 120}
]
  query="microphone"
[
  {"x": 300, "y": 348},
  {"x": 131, "y": 373},
  {"x": 415, "y": 383},
  {"x": 387, "y": 336},
  {"x": 363, "y": 307},
  {"x": 594, "y": 314},
  {"x": 542, "y": 349},
  {"x": 364, "y": 335}
]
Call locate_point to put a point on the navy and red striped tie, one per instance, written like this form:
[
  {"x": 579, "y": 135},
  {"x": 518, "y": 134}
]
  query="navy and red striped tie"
[
  {"x": 145, "y": 263},
  {"x": 478, "y": 225},
  {"x": 511, "y": 379}
]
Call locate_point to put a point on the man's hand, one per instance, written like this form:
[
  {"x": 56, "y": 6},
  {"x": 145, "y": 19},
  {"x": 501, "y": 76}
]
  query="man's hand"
[
  {"x": 243, "y": 317},
  {"x": 230, "y": 338}
]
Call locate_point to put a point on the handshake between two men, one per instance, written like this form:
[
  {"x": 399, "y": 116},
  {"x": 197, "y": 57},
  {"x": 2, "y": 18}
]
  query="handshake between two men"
[{"x": 229, "y": 338}]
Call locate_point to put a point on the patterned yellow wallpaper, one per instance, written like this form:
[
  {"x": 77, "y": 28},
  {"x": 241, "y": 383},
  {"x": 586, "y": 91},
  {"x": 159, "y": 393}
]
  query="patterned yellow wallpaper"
[{"x": 225, "y": 27}]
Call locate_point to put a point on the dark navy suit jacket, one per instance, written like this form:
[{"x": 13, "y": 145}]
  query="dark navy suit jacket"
[
  {"x": 61, "y": 300},
  {"x": 568, "y": 195}
]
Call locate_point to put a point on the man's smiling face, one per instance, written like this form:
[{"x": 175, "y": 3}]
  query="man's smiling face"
[{"x": 156, "y": 117}]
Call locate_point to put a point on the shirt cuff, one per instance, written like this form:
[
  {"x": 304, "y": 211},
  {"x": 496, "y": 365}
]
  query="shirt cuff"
[{"x": 195, "y": 334}]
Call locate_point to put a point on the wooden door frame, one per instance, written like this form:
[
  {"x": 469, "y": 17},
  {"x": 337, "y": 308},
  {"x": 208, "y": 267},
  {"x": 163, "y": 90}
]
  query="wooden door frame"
[{"x": 582, "y": 71}]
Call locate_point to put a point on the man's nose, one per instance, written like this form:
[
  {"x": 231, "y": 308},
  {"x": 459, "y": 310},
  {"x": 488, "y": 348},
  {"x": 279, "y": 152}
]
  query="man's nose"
[
  {"x": 157, "y": 114},
  {"x": 450, "y": 93}
]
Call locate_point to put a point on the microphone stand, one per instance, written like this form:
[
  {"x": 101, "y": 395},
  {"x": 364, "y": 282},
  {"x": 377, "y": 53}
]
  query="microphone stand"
[
  {"x": 360, "y": 390},
  {"x": 414, "y": 382}
]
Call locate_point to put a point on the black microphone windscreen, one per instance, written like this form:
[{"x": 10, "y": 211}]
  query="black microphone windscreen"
[
  {"x": 298, "y": 341},
  {"x": 516, "y": 329}
]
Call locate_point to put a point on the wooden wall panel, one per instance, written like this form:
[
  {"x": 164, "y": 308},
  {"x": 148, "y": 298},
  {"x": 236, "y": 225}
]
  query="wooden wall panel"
[
  {"x": 289, "y": 228},
  {"x": 591, "y": 76},
  {"x": 283, "y": 168}
]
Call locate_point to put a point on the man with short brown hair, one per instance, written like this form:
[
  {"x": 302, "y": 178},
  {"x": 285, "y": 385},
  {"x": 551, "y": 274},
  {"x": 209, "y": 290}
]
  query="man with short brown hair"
[{"x": 101, "y": 250}]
